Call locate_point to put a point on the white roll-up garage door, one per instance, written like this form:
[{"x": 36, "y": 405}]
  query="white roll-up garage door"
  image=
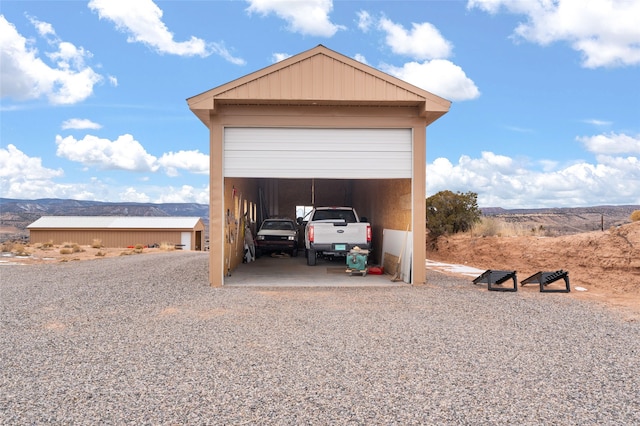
[{"x": 318, "y": 153}]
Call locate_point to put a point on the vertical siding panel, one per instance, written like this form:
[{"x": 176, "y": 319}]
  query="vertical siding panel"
[
  {"x": 306, "y": 79},
  {"x": 328, "y": 81},
  {"x": 275, "y": 86},
  {"x": 359, "y": 86},
  {"x": 335, "y": 92},
  {"x": 284, "y": 79},
  {"x": 296, "y": 81},
  {"x": 116, "y": 238},
  {"x": 349, "y": 92}
]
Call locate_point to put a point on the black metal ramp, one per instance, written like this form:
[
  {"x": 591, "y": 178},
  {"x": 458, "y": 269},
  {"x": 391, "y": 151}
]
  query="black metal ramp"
[
  {"x": 544, "y": 278},
  {"x": 494, "y": 277}
]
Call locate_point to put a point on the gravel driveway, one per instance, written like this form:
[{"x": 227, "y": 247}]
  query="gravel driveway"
[{"x": 145, "y": 340}]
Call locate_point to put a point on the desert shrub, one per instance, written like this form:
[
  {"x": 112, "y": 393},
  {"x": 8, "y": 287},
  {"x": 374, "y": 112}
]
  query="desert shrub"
[
  {"x": 74, "y": 247},
  {"x": 487, "y": 227},
  {"x": 635, "y": 216},
  {"x": 7, "y": 247},
  {"x": 96, "y": 243},
  {"x": 494, "y": 227},
  {"x": 48, "y": 244},
  {"x": 138, "y": 248},
  {"x": 126, "y": 253},
  {"x": 167, "y": 246},
  {"x": 19, "y": 250},
  {"x": 101, "y": 253},
  {"x": 66, "y": 250},
  {"x": 450, "y": 213}
]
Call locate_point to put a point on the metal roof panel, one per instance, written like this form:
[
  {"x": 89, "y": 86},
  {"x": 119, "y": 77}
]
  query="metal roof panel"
[{"x": 115, "y": 222}]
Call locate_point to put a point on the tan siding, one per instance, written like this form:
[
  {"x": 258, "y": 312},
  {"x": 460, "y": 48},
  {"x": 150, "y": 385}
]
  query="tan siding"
[
  {"x": 320, "y": 78},
  {"x": 108, "y": 238}
]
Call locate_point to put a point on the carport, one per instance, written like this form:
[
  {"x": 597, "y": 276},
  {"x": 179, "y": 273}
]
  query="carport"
[{"x": 318, "y": 128}]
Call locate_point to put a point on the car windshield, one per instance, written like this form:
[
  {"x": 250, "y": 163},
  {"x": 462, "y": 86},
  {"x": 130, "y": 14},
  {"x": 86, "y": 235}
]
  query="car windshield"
[
  {"x": 281, "y": 225},
  {"x": 343, "y": 215}
]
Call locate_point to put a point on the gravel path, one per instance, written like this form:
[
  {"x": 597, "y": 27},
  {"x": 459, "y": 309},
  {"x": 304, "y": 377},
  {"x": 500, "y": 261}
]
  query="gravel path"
[{"x": 145, "y": 340}]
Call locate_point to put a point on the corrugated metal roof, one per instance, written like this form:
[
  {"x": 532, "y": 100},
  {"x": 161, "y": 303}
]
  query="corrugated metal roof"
[{"x": 115, "y": 222}]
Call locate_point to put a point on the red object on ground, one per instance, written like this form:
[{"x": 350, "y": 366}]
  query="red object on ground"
[{"x": 376, "y": 270}]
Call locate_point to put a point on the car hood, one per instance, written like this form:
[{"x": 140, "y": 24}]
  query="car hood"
[{"x": 276, "y": 232}]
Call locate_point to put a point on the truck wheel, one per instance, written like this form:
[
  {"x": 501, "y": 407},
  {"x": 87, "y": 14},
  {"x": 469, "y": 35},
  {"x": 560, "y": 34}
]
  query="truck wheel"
[
  {"x": 258, "y": 253},
  {"x": 294, "y": 252},
  {"x": 311, "y": 257}
]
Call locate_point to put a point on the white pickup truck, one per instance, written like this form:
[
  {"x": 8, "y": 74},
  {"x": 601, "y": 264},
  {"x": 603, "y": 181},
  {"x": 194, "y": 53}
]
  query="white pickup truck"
[{"x": 334, "y": 231}]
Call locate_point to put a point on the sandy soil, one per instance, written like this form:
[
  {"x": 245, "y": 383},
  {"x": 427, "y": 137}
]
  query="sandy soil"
[
  {"x": 606, "y": 264},
  {"x": 35, "y": 255}
]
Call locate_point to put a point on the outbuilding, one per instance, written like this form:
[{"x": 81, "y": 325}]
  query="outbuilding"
[
  {"x": 119, "y": 231},
  {"x": 318, "y": 128}
]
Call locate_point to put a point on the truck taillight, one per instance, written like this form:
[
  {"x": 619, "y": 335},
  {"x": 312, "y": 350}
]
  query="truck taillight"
[
  {"x": 368, "y": 234},
  {"x": 311, "y": 234}
]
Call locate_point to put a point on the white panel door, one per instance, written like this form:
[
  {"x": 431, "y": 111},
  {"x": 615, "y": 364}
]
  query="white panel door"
[
  {"x": 185, "y": 240},
  {"x": 317, "y": 153}
]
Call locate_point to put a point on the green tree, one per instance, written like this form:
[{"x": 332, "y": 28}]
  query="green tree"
[{"x": 449, "y": 212}]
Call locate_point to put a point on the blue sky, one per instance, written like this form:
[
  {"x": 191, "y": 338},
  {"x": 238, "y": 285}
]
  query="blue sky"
[{"x": 546, "y": 94}]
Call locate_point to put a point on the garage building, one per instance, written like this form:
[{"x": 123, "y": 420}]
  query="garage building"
[
  {"x": 119, "y": 231},
  {"x": 318, "y": 128}
]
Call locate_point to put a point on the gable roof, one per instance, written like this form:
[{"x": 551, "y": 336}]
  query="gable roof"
[
  {"x": 319, "y": 76},
  {"x": 114, "y": 222}
]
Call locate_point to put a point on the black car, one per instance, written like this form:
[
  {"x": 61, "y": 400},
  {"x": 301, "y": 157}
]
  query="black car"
[{"x": 277, "y": 236}]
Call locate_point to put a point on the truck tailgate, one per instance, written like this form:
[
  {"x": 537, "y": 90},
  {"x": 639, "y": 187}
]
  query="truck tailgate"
[{"x": 340, "y": 233}]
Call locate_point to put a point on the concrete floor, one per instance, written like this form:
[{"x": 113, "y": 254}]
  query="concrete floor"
[{"x": 294, "y": 272}]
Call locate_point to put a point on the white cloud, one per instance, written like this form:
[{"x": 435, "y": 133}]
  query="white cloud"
[
  {"x": 132, "y": 195},
  {"x": 501, "y": 181},
  {"x": 365, "y": 21},
  {"x": 80, "y": 123},
  {"x": 599, "y": 123},
  {"x": 438, "y": 76},
  {"x": 24, "y": 75},
  {"x": 192, "y": 161},
  {"x": 606, "y": 32},
  {"x": 360, "y": 58},
  {"x": 424, "y": 41},
  {"x": 435, "y": 73},
  {"x": 186, "y": 193},
  {"x": 309, "y": 17},
  {"x": 142, "y": 21},
  {"x": 612, "y": 143},
  {"x": 277, "y": 57},
  {"x": 125, "y": 153},
  {"x": 25, "y": 177},
  {"x": 22, "y": 176},
  {"x": 16, "y": 164}
]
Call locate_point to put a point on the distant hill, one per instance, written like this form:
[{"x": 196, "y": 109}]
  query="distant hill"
[
  {"x": 16, "y": 215},
  {"x": 567, "y": 220}
]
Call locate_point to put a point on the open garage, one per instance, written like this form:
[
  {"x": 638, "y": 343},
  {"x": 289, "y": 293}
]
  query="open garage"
[{"x": 317, "y": 129}]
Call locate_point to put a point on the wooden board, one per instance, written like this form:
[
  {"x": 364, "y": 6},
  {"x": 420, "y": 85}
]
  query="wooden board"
[{"x": 390, "y": 263}]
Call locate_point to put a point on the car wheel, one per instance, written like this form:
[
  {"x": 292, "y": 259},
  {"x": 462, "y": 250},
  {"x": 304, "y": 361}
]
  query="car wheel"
[
  {"x": 258, "y": 253},
  {"x": 294, "y": 252},
  {"x": 311, "y": 257}
]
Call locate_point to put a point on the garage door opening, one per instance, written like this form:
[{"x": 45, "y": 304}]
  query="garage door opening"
[{"x": 385, "y": 202}]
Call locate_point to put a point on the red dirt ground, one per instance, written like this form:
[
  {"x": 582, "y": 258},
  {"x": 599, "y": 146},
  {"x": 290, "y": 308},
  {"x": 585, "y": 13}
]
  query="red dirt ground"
[{"x": 606, "y": 264}]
